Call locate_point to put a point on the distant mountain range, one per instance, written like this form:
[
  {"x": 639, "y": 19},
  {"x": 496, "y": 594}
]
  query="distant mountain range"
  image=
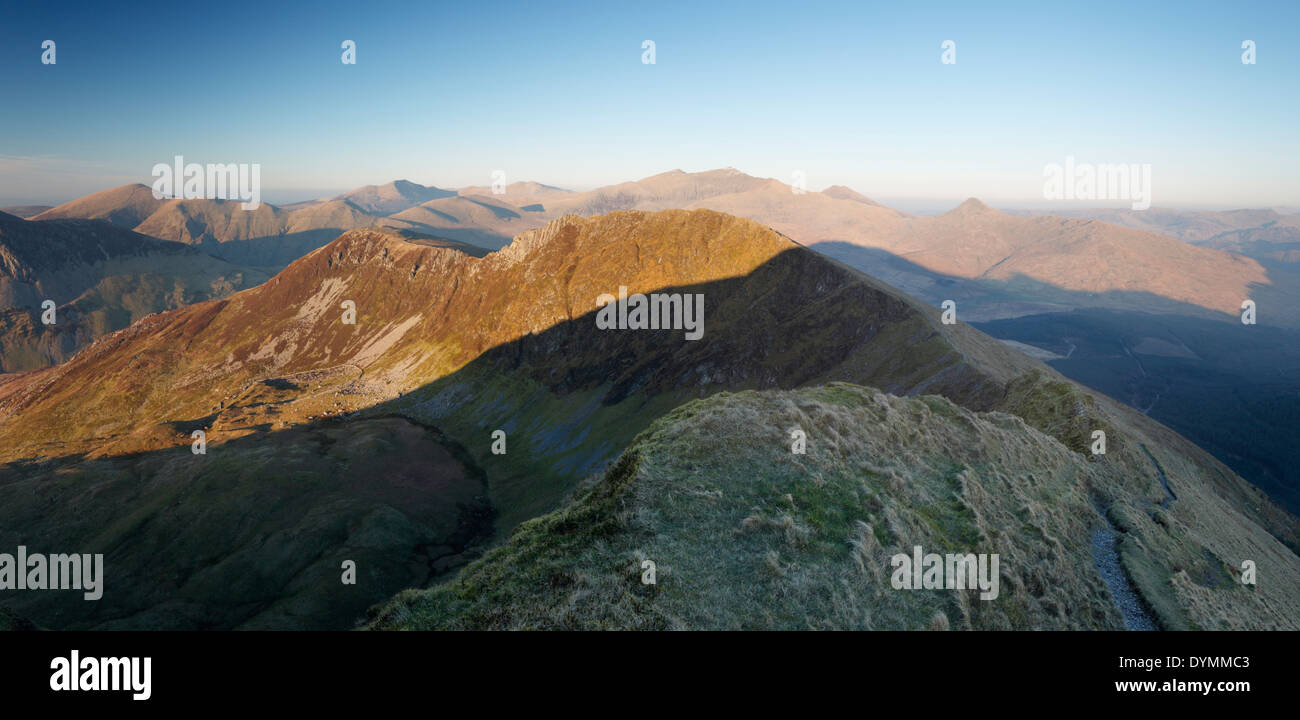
[
  {"x": 992, "y": 264},
  {"x": 25, "y": 211},
  {"x": 1268, "y": 236},
  {"x": 272, "y": 237},
  {"x": 1198, "y": 227},
  {"x": 372, "y": 441}
]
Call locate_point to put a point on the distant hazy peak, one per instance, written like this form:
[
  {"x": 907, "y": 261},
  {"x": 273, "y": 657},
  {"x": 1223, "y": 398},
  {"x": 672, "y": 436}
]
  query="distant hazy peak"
[
  {"x": 125, "y": 206},
  {"x": 392, "y": 197},
  {"x": 972, "y": 206},
  {"x": 841, "y": 192}
]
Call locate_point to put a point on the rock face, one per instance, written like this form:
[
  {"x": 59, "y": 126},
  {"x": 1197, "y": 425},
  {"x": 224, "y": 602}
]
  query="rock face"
[
  {"x": 100, "y": 278},
  {"x": 384, "y": 324}
]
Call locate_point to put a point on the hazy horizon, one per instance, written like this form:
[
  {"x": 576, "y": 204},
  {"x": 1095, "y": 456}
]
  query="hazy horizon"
[
  {"x": 452, "y": 94},
  {"x": 915, "y": 205}
]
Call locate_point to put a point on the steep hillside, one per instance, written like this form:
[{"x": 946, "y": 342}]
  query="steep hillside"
[
  {"x": 464, "y": 344},
  {"x": 425, "y": 312},
  {"x": 1233, "y": 390},
  {"x": 101, "y": 279},
  {"x": 745, "y": 534}
]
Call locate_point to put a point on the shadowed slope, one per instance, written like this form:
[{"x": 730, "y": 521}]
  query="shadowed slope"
[{"x": 254, "y": 534}]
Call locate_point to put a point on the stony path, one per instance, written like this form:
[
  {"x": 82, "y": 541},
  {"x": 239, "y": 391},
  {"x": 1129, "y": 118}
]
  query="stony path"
[{"x": 1105, "y": 555}]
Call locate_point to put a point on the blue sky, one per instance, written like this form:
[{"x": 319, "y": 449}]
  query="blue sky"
[{"x": 849, "y": 93}]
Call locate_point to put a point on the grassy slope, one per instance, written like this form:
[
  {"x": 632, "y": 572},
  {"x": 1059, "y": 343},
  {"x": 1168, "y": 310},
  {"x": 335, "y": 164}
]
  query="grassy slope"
[{"x": 746, "y": 534}]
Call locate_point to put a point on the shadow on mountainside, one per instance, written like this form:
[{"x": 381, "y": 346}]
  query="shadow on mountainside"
[
  {"x": 985, "y": 299},
  {"x": 1232, "y": 389},
  {"x": 255, "y": 532}
]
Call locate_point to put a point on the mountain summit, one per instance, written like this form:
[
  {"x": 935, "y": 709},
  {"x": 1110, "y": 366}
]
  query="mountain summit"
[{"x": 971, "y": 206}]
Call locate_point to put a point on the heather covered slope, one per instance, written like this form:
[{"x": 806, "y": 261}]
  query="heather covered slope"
[
  {"x": 101, "y": 279},
  {"x": 425, "y": 312},
  {"x": 745, "y": 534}
]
